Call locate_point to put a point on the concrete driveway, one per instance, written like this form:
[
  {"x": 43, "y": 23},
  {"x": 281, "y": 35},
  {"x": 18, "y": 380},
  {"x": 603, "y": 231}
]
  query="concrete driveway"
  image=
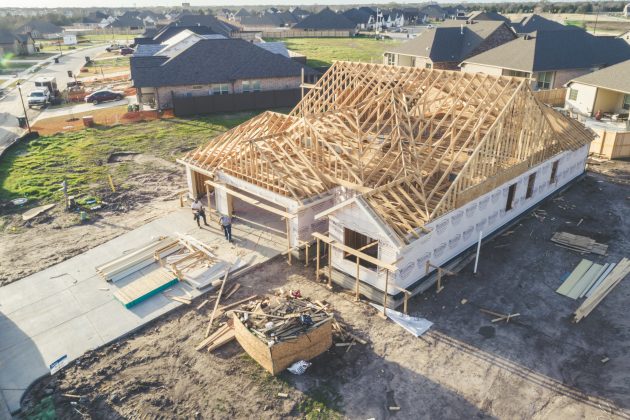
[{"x": 68, "y": 309}]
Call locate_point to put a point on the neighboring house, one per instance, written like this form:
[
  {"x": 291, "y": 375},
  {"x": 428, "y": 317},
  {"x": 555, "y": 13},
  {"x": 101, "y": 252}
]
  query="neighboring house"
[
  {"x": 300, "y": 13},
  {"x": 550, "y": 58},
  {"x": 433, "y": 12},
  {"x": 87, "y": 22},
  {"x": 212, "y": 67},
  {"x": 360, "y": 17},
  {"x": 447, "y": 45},
  {"x": 216, "y": 25},
  {"x": 39, "y": 29},
  {"x": 169, "y": 32},
  {"x": 126, "y": 22},
  {"x": 241, "y": 14},
  {"x": 18, "y": 44},
  {"x": 268, "y": 20},
  {"x": 483, "y": 15},
  {"x": 606, "y": 90},
  {"x": 326, "y": 20},
  {"x": 534, "y": 23}
]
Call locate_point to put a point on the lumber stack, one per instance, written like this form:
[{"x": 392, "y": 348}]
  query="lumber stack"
[
  {"x": 579, "y": 243},
  {"x": 144, "y": 287},
  {"x": 122, "y": 267},
  {"x": 621, "y": 270},
  {"x": 219, "y": 338},
  {"x": 584, "y": 279}
]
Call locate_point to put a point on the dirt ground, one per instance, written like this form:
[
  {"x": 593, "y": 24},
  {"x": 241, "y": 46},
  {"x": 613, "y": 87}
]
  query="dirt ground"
[
  {"x": 149, "y": 192},
  {"x": 540, "y": 365}
]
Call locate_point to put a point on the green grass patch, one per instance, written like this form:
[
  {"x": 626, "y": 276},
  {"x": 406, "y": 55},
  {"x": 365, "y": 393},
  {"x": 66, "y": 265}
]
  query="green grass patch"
[
  {"x": 322, "y": 402},
  {"x": 323, "y": 51},
  {"x": 110, "y": 62},
  {"x": 36, "y": 168}
]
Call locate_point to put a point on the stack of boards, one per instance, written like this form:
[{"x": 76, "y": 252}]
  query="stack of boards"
[
  {"x": 582, "y": 244},
  {"x": 594, "y": 281},
  {"x": 147, "y": 285}
]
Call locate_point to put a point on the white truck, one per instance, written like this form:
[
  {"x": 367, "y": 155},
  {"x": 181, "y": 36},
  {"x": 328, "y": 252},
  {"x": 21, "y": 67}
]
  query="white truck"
[{"x": 39, "y": 97}]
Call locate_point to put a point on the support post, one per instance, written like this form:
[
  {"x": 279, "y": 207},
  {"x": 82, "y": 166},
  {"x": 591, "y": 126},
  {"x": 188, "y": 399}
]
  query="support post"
[
  {"x": 356, "y": 284},
  {"x": 405, "y": 302},
  {"x": 317, "y": 263},
  {"x": 208, "y": 197},
  {"x": 288, "y": 239},
  {"x": 385, "y": 294},
  {"x": 330, "y": 266},
  {"x": 306, "y": 250},
  {"x": 439, "y": 280},
  {"x": 478, "y": 251}
]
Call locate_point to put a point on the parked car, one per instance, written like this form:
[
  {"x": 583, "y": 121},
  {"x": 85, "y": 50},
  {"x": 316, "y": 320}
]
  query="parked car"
[
  {"x": 104, "y": 96},
  {"x": 126, "y": 51},
  {"x": 114, "y": 47},
  {"x": 38, "y": 97}
]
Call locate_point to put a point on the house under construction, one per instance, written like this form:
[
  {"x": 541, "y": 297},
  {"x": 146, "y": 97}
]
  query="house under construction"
[{"x": 399, "y": 169}]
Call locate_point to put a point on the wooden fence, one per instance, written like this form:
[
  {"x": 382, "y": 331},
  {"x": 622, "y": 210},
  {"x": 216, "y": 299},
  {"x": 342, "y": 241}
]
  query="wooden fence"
[
  {"x": 305, "y": 34},
  {"x": 553, "y": 97},
  {"x": 210, "y": 104},
  {"x": 611, "y": 144}
]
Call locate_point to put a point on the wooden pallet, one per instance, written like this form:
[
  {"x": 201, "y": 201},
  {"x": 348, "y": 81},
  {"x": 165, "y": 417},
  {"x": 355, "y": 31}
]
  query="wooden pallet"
[{"x": 144, "y": 287}]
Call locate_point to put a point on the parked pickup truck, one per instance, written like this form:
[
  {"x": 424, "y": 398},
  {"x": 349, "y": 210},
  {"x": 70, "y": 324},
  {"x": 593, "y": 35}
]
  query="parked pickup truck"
[
  {"x": 38, "y": 97},
  {"x": 114, "y": 47}
]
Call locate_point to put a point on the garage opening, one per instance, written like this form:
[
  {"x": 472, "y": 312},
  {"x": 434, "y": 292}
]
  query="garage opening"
[{"x": 362, "y": 243}]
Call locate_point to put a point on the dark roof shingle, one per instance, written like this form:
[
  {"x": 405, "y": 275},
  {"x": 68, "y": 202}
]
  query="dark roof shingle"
[
  {"x": 325, "y": 20},
  {"x": 213, "y": 61},
  {"x": 555, "y": 50},
  {"x": 616, "y": 77}
]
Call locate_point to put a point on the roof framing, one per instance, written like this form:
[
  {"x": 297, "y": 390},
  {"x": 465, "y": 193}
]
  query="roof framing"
[{"x": 415, "y": 143}]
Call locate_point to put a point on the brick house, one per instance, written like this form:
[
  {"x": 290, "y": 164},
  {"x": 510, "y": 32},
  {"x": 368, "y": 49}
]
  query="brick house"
[
  {"x": 550, "y": 58},
  {"x": 209, "y": 67},
  {"x": 449, "y": 44},
  {"x": 18, "y": 44}
]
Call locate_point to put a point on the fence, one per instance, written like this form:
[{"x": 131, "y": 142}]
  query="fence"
[
  {"x": 611, "y": 144},
  {"x": 195, "y": 105},
  {"x": 553, "y": 97},
  {"x": 305, "y": 34}
]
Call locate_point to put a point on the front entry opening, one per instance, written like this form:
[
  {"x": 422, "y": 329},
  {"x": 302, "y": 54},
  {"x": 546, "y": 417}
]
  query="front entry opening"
[{"x": 362, "y": 243}]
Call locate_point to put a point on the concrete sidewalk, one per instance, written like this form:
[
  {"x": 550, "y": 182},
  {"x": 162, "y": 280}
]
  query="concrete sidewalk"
[{"x": 64, "y": 310}]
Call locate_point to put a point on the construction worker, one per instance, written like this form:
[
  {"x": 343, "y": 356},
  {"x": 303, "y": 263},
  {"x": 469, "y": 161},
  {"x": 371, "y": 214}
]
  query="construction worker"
[
  {"x": 198, "y": 212},
  {"x": 226, "y": 223}
]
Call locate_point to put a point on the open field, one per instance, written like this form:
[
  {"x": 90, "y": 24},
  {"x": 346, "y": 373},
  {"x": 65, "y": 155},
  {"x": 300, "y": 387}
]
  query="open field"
[
  {"x": 35, "y": 168},
  {"x": 140, "y": 158},
  {"x": 537, "y": 366},
  {"x": 323, "y": 51}
]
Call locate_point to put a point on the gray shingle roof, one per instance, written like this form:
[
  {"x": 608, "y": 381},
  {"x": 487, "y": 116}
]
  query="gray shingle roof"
[
  {"x": 213, "y": 61},
  {"x": 616, "y": 77},
  {"x": 358, "y": 16},
  {"x": 534, "y": 22},
  {"x": 326, "y": 20},
  {"x": 218, "y": 26},
  {"x": 7, "y": 37},
  {"x": 40, "y": 26},
  {"x": 446, "y": 42},
  {"x": 555, "y": 50},
  {"x": 483, "y": 15}
]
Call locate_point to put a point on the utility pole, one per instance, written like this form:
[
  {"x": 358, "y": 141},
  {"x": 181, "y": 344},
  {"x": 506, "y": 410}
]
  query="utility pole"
[{"x": 28, "y": 125}]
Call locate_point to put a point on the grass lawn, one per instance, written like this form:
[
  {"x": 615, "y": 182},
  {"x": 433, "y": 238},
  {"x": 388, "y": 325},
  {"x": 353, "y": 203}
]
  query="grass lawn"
[
  {"x": 323, "y": 51},
  {"x": 35, "y": 168}
]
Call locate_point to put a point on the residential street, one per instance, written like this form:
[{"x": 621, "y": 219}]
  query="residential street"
[{"x": 10, "y": 106}]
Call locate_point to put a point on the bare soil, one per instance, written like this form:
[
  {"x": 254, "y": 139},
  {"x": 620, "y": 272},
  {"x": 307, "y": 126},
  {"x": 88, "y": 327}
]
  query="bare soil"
[
  {"x": 149, "y": 193},
  {"x": 540, "y": 365}
]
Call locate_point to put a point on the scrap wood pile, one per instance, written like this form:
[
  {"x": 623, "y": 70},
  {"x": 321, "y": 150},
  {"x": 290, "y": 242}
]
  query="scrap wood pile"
[
  {"x": 283, "y": 318},
  {"x": 582, "y": 244},
  {"x": 279, "y": 330},
  {"x": 621, "y": 270}
]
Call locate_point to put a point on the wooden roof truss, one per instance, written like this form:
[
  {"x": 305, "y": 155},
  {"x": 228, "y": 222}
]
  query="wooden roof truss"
[{"x": 416, "y": 143}]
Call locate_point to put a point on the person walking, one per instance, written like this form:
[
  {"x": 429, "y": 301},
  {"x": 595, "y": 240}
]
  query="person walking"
[
  {"x": 198, "y": 212},
  {"x": 226, "y": 223}
]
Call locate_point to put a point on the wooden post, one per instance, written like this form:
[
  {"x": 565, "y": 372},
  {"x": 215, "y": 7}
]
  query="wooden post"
[
  {"x": 288, "y": 239},
  {"x": 317, "y": 263},
  {"x": 439, "y": 280},
  {"x": 208, "y": 197},
  {"x": 385, "y": 293},
  {"x": 356, "y": 285},
  {"x": 405, "y": 302},
  {"x": 330, "y": 266},
  {"x": 427, "y": 266},
  {"x": 306, "y": 249}
]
